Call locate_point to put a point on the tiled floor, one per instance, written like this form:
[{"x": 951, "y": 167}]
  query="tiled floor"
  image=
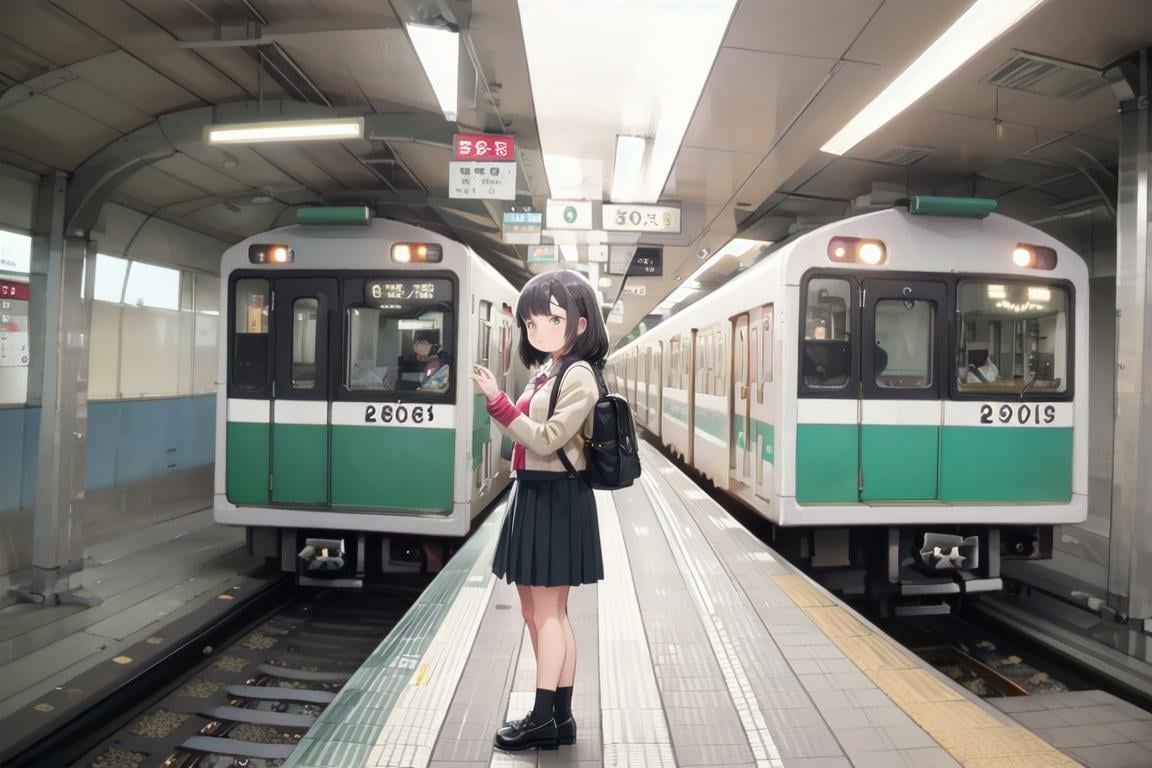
[{"x": 700, "y": 647}]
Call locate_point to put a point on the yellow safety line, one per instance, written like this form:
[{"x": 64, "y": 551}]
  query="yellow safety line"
[{"x": 971, "y": 735}]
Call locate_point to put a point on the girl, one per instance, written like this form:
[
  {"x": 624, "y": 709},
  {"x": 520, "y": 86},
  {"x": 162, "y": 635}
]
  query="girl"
[{"x": 549, "y": 540}]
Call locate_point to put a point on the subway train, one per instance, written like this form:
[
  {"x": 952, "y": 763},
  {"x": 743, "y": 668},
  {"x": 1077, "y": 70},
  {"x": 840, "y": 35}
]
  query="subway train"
[
  {"x": 349, "y": 440},
  {"x": 904, "y": 397}
]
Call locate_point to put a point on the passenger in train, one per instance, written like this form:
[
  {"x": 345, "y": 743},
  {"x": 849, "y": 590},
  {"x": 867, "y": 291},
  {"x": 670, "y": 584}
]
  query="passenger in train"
[
  {"x": 981, "y": 369},
  {"x": 549, "y": 539},
  {"x": 410, "y": 369},
  {"x": 435, "y": 373}
]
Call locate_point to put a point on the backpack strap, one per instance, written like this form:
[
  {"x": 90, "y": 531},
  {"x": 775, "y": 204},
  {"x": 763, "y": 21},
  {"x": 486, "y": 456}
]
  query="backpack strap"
[{"x": 552, "y": 398}]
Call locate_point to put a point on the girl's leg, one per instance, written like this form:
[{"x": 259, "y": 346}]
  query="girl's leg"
[
  {"x": 525, "y": 593},
  {"x": 548, "y": 615},
  {"x": 568, "y": 671}
]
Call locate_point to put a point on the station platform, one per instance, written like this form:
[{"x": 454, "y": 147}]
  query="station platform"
[
  {"x": 700, "y": 647},
  {"x": 140, "y": 584}
]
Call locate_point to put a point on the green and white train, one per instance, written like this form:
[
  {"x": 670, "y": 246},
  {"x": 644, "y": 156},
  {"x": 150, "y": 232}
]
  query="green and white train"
[
  {"x": 342, "y": 450},
  {"x": 899, "y": 394}
]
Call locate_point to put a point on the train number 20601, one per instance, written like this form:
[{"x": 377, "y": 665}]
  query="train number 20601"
[
  {"x": 1023, "y": 413},
  {"x": 399, "y": 414}
]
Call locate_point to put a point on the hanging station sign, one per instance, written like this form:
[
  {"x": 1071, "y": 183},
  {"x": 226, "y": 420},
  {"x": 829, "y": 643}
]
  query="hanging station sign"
[
  {"x": 657, "y": 219},
  {"x": 522, "y": 228},
  {"x": 484, "y": 167},
  {"x": 569, "y": 214},
  {"x": 484, "y": 146},
  {"x": 482, "y": 181}
]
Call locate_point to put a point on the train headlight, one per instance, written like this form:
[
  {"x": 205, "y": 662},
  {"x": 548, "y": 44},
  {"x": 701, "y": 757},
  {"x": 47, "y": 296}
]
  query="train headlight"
[
  {"x": 857, "y": 250},
  {"x": 1030, "y": 256},
  {"x": 270, "y": 253},
  {"x": 412, "y": 253}
]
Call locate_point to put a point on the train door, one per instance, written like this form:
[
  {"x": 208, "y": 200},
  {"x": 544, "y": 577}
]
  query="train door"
[
  {"x": 763, "y": 408},
  {"x": 903, "y": 343},
  {"x": 741, "y": 439},
  {"x": 658, "y": 379},
  {"x": 301, "y": 389},
  {"x": 693, "y": 366}
]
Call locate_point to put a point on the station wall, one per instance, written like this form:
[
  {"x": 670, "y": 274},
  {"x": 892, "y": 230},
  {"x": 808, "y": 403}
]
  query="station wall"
[{"x": 152, "y": 369}]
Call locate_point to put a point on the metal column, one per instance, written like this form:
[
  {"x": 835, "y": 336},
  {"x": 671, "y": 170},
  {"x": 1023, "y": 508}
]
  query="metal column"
[
  {"x": 1130, "y": 557},
  {"x": 59, "y": 322}
]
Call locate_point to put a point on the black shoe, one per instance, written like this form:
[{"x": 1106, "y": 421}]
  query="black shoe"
[
  {"x": 566, "y": 731},
  {"x": 526, "y": 734}
]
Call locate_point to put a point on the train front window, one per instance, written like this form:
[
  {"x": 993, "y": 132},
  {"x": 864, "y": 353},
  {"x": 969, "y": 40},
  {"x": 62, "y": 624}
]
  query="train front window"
[
  {"x": 250, "y": 337},
  {"x": 304, "y": 312},
  {"x": 826, "y": 351},
  {"x": 1014, "y": 337},
  {"x": 905, "y": 330},
  {"x": 401, "y": 354}
]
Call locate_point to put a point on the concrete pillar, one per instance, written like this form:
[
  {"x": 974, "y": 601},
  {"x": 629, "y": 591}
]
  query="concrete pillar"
[
  {"x": 59, "y": 322},
  {"x": 1130, "y": 558}
]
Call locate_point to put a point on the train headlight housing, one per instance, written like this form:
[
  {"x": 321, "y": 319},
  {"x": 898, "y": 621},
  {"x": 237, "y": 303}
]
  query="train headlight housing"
[
  {"x": 1028, "y": 256},
  {"x": 860, "y": 250},
  {"x": 417, "y": 253},
  {"x": 270, "y": 253}
]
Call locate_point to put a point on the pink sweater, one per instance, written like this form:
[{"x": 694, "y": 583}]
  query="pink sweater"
[{"x": 505, "y": 412}]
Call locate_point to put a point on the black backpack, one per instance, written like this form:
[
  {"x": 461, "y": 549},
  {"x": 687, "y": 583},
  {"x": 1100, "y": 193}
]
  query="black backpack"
[{"x": 611, "y": 452}]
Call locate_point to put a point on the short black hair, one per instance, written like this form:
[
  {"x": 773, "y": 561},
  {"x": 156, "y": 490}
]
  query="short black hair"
[{"x": 574, "y": 294}]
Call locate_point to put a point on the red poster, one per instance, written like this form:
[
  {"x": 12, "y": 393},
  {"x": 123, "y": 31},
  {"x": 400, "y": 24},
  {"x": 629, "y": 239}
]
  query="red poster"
[
  {"x": 484, "y": 146},
  {"x": 13, "y": 290}
]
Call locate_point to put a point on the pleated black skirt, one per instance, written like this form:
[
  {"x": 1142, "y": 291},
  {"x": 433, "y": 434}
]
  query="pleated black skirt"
[{"x": 550, "y": 535}]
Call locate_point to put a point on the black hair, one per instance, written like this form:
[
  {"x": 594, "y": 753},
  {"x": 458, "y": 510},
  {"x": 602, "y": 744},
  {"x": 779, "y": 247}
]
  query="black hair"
[
  {"x": 574, "y": 294},
  {"x": 432, "y": 337}
]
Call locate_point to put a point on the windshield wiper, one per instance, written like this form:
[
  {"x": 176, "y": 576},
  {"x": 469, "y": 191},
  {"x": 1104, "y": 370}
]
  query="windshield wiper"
[{"x": 1035, "y": 376}]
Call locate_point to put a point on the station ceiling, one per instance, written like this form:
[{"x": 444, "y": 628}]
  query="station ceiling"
[{"x": 78, "y": 76}]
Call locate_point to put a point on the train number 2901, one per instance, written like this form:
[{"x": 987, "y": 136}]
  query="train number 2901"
[
  {"x": 398, "y": 414},
  {"x": 1019, "y": 414}
]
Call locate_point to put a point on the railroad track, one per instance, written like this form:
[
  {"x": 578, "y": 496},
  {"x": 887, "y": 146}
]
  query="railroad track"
[{"x": 250, "y": 703}]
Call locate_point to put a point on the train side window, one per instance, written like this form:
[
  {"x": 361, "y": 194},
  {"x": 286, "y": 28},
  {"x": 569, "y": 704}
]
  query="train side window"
[
  {"x": 768, "y": 320},
  {"x": 905, "y": 348},
  {"x": 304, "y": 314},
  {"x": 250, "y": 337},
  {"x": 826, "y": 353},
  {"x": 485, "y": 336}
]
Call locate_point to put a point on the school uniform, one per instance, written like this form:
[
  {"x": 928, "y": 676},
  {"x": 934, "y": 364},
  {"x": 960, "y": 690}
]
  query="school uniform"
[{"x": 550, "y": 535}]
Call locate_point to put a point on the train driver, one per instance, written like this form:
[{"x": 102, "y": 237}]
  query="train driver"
[{"x": 981, "y": 369}]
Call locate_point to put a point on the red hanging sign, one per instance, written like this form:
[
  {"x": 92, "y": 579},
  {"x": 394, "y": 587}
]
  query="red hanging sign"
[
  {"x": 14, "y": 290},
  {"x": 484, "y": 146}
]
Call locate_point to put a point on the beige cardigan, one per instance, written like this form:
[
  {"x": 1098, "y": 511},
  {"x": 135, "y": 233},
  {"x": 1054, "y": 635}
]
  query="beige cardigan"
[{"x": 542, "y": 436}]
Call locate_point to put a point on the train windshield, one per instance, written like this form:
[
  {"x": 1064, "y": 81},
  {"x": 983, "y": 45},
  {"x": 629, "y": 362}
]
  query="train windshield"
[
  {"x": 1013, "y": 337},
  {"x": 388, "y": 353}
]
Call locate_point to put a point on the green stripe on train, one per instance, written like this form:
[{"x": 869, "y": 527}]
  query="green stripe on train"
[
  {"x": 1006, "y": 464},
  {"x": 246, "y": 474},
  {"x": 766, "y": 433},
  {"x": 971, "y": 464},
  {"x": 714, "y": 423},
  {"x": 300, "y": 463},
  {"x": 392, "y": 467}
]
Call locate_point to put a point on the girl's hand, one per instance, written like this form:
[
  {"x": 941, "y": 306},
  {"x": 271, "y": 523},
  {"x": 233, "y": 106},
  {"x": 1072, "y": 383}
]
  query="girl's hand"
[{"x": 486, "y": 381}]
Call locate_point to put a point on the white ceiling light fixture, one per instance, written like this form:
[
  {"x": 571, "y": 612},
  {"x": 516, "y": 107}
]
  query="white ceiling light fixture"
[
  {"x": 341, "y": 129},
  {"x": 628, "y": 168},
  {"x": 439, "y": 53},
  {"x": 982, "y": 23},
  {"x": 736, "y": 247}
]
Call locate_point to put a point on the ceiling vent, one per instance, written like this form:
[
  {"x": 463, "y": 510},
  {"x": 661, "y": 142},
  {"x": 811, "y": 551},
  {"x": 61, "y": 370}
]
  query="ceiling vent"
[
  {"x": 1022, "y": 170},
  {"x": 905, "y": 155},
  {"x": 1045, "y": 76}
]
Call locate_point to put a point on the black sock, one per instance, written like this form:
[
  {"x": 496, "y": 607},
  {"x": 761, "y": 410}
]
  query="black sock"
[
  {"x": 563, "y": 704},
  {"x": 542, "y": 711}
]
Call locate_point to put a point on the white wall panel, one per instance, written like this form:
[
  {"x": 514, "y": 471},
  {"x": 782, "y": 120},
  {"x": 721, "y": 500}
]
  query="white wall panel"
[
  {"x": 150, "y": 355},
  {"x": 102, "y": 350}
]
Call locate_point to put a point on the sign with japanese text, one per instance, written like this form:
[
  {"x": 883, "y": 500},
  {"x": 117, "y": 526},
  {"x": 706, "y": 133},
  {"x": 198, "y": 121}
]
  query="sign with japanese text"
[
  {"x": 661, "y": 219},
  {"x": 484, "y": 146},
  {"x": 647, "y": 262},
  {"x": 13, "y": 333},
  {"x": 569, "y": 214},
  {"x": 523, "y": 228},
  {"x": 482, "y": 181}
]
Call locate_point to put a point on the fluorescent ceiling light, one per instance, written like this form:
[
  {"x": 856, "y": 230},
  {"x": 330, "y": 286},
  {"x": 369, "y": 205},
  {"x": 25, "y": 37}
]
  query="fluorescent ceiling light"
[
  {"x": 439, "y": 52},
  {"x": 628, "y": 168},
  {"x": 650, "y": 65},
  {"x": 287, "y": 130},
  {"x": 982, "y": 23}
]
